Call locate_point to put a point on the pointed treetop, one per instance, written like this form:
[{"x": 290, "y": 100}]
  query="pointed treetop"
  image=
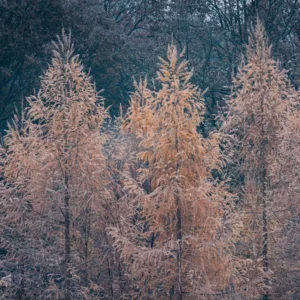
[
  {"x": 63, "y": 48},
  {"x": 258, "y": 49}
]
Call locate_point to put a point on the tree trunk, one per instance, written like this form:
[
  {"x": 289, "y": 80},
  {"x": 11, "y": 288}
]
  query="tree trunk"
[
  {"x": 21, "y": 291},
  {"x": 86, "y": 238},
  {"x": 178, "y": 229},
  {"x": 179, "y": 252},
  {"x": 265, "y": 237},
  {"x": 67, "y": 274},
  {"x": 113, "y": 272},
  {"x": 264, "y": 183}
]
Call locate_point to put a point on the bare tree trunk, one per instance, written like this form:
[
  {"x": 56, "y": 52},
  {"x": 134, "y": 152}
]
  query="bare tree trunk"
[
  {"x": 86, "y": 238},
  {"x": 178, "y": 232},
  {"x": 20, "y": 294},
  {"x": 265, "y": 237},
  {"x": 67, "y": 275},
  {"x": 264, "y": 183},
  {"x": 179, "y": 252},
  {"x": 113, "y": 272}
]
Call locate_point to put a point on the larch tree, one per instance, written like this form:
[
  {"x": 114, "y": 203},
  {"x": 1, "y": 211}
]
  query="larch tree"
[
  {"x": 57, "y": 163},
  {"x": 257, "y": 108},
  {"x": 18, "y": 223},
  {"x": 286, "y": 208},
  {"x": 174, "y": 239}
]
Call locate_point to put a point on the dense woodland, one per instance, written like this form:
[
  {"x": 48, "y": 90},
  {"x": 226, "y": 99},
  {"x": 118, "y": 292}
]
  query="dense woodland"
[{"x": 150, "y": 149}]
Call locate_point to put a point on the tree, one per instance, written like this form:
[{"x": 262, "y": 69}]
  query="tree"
[
  {"x": 285, "y": 212},
  {"x": 174, "y": 240},
  {"x": 57, "y": 164},
  {"x": 19, "y": 225},
  {"x": 26, "y": 31},
  {"x": 257, "y": 107}
]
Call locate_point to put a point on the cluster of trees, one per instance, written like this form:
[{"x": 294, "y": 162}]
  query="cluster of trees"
[{"x": 151, "y": 205}]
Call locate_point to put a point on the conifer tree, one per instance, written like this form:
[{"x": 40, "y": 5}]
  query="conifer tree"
[
  {"x": 174, "y": 241},
  {"x": 18, "y": 221},
  {"x": 257, "y": 107},
  {"x": 285, "y": 210},
  {"x": 57, "y": 164}
]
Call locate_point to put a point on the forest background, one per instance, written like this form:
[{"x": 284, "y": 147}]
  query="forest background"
[{"x": 119, "y": 40}]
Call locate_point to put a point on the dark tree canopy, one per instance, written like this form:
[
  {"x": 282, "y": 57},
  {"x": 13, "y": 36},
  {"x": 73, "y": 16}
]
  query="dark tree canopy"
[{"x": 118, "y": 40}]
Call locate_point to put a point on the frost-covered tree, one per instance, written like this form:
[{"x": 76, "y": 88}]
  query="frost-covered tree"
[
  {"x": 174, "y": 241},
  {"x": 56, "y": 164},
  {"x": 286, "y": 209},
  {"x": 257, "y": 107},
  {"x": 19, "y": 224}
]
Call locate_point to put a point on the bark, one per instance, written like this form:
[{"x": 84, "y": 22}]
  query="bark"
[
  {"x": 179, "y": 253},
  {"x": 113, "y": 272},
  {"x": 87, "y": 232},
  {"x": 178, "y": 231},
  {"x": 265, "y": 237},
  {"x": 67, "y": 274},
  {"x": 21, "y": 292},
  {"x": 264, "y": 183}
]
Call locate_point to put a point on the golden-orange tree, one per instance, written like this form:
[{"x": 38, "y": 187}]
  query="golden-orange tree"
[
  {"x": 55, "y": 162},
  {"x": 286, "y": 209},
  {"x": 174, "y": 239},
  {"x": 257, "y": 108}
]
